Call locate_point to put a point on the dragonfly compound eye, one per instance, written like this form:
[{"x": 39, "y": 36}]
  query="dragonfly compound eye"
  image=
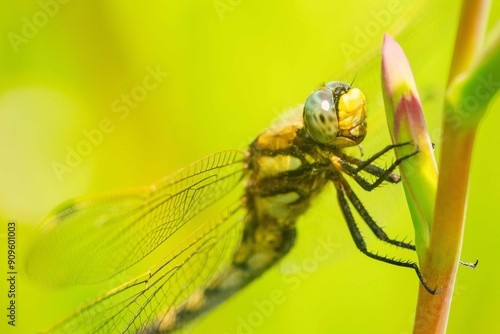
[
  {"x": 320, "y": 117},
  {"x": 336, "y": 115}
]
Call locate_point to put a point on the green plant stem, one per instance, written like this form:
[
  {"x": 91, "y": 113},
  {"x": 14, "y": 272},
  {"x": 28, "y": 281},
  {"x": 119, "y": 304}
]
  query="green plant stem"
[
  {"x": 440, "y": 263},
  {"x": 470, "y": 36},
  {"x": 442, "y": 256}
]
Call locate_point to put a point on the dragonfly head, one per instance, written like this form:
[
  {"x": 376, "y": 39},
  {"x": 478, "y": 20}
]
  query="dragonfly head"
[{"x": 335, "y": 115}]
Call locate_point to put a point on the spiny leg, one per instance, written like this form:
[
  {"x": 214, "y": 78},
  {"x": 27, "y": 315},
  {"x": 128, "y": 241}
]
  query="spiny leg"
[
  {"x": 360, "y": 243},
  {"x": 366, "y": 166},
  {"x": 371, "y": 169},
  {"x": 377, "y": 230},
  {"x": 365, "y": 184},
  {"x": 469, "y": 264},
  {"x": 380, "y": 153}
]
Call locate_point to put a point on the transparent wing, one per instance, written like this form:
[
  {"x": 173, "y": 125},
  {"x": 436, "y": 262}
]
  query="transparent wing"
[
  {"x": 138, "y": 305},
  {"x": 90, "y": 239}
]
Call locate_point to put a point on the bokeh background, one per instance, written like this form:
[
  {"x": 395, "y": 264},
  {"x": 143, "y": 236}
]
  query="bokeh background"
[{"x": 227, "y": 69}]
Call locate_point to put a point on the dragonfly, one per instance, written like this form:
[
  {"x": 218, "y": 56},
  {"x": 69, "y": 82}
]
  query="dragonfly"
[{"x": 282, "y": 172}]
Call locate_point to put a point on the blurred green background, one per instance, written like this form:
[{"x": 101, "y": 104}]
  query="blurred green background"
[{"x": 227, "y": 69}]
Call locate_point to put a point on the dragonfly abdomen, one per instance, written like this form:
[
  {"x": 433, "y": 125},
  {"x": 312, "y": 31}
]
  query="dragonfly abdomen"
[{"x": 259, "y": 249}]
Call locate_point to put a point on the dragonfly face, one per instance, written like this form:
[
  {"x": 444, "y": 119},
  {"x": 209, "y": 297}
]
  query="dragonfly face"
[
  {"x": 284, "y": 168},
  {"x": 335, "y": 115}
]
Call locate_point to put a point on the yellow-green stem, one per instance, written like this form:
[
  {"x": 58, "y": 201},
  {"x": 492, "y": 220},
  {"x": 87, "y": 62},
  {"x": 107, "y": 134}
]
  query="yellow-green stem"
[
  {"x": 441, "y": 261},
  {"x": 470, "y": 36}
]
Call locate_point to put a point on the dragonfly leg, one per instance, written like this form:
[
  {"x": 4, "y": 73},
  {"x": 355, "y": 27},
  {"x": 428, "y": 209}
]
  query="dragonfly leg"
[
  {"x": 341, "y": 186},
  {"x": 384, "y": 175},
  {"x": 377, "y": 230},
  {"x": 469, "y": 264},
  {"x": 380, "y": 153},
  {"x": 371, "y": 169}
]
